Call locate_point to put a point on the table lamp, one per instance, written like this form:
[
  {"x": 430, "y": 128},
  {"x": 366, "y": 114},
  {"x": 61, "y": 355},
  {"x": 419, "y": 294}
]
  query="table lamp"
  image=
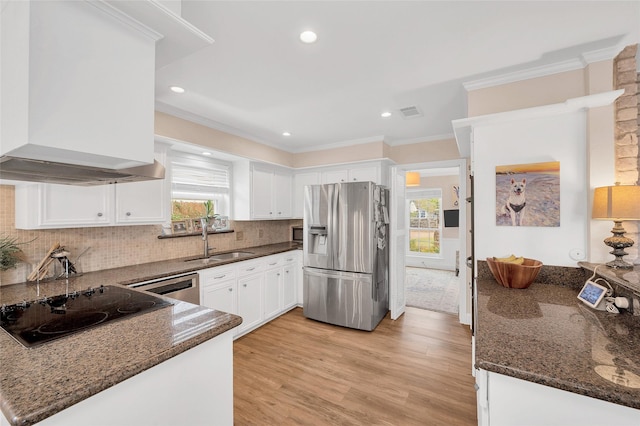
[{"x": 617, "y": 203}]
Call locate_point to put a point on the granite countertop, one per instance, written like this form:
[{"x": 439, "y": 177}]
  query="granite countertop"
[
  {"x": 544, "y": 334},
  {"x": 38, "y": 382},
  {"x": 627, "y": 278},
  {"x": 126, "y": 275}
]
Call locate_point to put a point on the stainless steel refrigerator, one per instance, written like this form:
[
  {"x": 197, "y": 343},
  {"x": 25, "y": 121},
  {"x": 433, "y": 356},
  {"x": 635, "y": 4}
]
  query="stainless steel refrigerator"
[{"x": 346, "y": 255}]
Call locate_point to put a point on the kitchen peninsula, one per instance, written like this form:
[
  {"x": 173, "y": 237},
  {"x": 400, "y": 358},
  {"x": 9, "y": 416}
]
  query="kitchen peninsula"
[
  {"x": 544, "y": 357},
  {"x": 130, "y": 371}
]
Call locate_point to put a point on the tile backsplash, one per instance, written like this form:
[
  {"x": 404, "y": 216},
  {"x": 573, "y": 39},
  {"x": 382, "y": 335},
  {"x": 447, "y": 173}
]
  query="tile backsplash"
[{"x": 112, "y": 247}]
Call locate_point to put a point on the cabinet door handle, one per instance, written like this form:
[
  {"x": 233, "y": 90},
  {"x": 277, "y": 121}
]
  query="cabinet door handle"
[
  {"x": 354, "y": 179},
  {"x": 99, "y": 214},
  {"x": 275, "y": 263},
  {"x": 244, "y": 285},
  {"x": 128, "y": 213},
  {"x": 230, "y": 289},
  {"x": 250, "y": 269},
  {"x": 286, "y": 272},
  {"x": 219, "y": 276},
  {"x": 278, "y": 274}
]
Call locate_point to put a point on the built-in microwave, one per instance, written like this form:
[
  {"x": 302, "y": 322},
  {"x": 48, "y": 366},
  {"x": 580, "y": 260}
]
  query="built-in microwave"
[{"x": 297, "y": 234}]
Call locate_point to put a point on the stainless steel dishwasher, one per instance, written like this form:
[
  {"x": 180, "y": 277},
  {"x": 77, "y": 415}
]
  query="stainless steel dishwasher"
[{"x": 184, "y": 287}]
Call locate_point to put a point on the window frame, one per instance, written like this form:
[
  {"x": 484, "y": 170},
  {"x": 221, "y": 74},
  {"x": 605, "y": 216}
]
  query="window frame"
[
  {"x": 221, "y": 196},
  {"x": 420, "y": 194}
]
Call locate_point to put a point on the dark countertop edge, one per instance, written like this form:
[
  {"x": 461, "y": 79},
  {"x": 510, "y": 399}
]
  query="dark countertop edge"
[
  {"x": 615, "y": 275},
  {"x": 558, "y": 384},
  {"x": 131, "y": 370}
]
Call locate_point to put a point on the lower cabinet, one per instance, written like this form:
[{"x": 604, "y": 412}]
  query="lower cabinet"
[
  {"x": 258, "y": 290},
  {"x": 250, "y": 301},
  {"x": 505, "y": 401}
]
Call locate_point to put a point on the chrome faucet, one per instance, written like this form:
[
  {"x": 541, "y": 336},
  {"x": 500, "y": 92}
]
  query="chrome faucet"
[{"x": 205, "y": 222}]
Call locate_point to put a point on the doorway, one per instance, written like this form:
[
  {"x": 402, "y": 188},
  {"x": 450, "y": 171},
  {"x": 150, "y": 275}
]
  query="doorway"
[{"x": 452, "y": 248}]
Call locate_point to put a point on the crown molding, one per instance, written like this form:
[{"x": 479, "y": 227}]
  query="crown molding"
[
  {"x": 463, "y": 127},
  {"x": 413, "y": 141},
  {"x": 573, "y": 64},
  {"x": 341, "y": 144}
]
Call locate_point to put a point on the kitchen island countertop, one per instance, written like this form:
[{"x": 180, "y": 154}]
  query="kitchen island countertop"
[
  {"x": 545, "y": 335},
  {"x": 38, "y": 382}
]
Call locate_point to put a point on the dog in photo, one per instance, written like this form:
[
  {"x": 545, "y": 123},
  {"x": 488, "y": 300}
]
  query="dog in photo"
[{"x": 516, "y": 203}]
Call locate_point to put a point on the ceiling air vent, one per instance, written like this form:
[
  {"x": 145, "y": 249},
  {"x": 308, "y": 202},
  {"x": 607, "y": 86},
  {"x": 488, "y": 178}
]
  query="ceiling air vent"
[{"x": 410, "y": 112}]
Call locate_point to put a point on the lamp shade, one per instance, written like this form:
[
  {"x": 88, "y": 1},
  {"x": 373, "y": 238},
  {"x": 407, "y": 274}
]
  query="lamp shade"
[
  {"x": 413, "y": 179},
  {"x": 620, "y": 202}
]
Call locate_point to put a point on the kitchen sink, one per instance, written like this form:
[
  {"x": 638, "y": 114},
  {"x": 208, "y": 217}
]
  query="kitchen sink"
[
  {"x": 232, "y": 255},
  {"x": 222, "y": 257}
]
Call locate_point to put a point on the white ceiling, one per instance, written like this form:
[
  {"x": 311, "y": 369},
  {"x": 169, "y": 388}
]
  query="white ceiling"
[{"x": 257, "y": 79}]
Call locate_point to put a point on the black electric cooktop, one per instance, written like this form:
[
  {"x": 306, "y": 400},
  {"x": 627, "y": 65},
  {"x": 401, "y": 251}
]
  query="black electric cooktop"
[{"x": 42, "y": 320}]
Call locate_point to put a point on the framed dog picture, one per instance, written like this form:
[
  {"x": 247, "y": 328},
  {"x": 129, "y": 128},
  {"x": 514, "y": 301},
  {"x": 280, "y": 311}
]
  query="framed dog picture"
[{"x": 528, "y": 194}]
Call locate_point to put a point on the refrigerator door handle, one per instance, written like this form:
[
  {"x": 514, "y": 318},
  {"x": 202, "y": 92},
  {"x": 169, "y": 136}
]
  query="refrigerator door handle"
[{"x": 334, "y": 226}]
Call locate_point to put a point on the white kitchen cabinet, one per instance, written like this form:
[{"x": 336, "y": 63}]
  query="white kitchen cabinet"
[
  {"x": 221, "y": 297},
  {"x": 250, "y": 301},
  {"x": 505, "y": 401},
  {"x": 218, "y": 288},
  {"x": 300, "y": 180},
  {"x": 273, "y": 286},
  {"x": 261, "y": 191},
  {"x": 290, "y": 280},
  {"x": 48, "y": 206},
  {"x": 142, "y": 203},
  {"x": 258, "y": 290},
  {"x": 354, "y": 173},
  {"x": 63, "y": 206}
]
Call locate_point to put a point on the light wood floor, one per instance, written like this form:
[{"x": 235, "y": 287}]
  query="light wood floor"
[{"x": 413, "y": 371}]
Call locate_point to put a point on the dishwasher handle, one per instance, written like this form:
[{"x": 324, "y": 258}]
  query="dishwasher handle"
[{"x": 167, "y": 286}]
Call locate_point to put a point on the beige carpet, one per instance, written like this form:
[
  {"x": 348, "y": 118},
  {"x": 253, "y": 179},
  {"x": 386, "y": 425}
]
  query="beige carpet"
[{"x": 432, "y": 289}]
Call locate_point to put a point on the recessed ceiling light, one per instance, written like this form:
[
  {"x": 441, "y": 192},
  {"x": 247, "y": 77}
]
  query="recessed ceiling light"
[
  {"x": 177, "y": 89},
  {"x": 385, "y": 114},
  {"x": 308, "y": 37},
  {"x": 286, "y": 134},
  {"x": 206, "y": 153}
]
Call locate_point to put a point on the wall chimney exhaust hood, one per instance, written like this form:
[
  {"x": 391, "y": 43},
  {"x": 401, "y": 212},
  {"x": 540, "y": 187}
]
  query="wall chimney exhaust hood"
[{"x": 25, "y": 169}]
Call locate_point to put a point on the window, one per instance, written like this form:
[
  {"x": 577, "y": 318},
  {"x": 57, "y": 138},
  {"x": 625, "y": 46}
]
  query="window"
[
  {"x": 199, "y": 187},
  {"x": 425, "y": 221}
]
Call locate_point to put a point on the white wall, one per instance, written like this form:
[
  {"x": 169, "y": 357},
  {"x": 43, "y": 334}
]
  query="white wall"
[
  {"x": 446, "y": 261},
  {"x": 560, "y": 138}
]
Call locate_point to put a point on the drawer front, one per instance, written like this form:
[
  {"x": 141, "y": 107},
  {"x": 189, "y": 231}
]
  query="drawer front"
[
  {"x": 214, "y": 276},
  {"x": 249, "y": 267}
]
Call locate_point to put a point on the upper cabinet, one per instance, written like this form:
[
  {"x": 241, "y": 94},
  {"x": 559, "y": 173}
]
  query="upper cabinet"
[
  {"x": 46, "y": 206},
  {"x": 261, "y": 191},
  {"x": 356, "y": 173},
  {"x": 77, "y": 84},
  {"x": 373, "y": 171},
  {"x": 301, "y": 180}
]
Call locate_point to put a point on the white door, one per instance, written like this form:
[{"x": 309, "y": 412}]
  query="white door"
[{"x": 397, "y": 243}]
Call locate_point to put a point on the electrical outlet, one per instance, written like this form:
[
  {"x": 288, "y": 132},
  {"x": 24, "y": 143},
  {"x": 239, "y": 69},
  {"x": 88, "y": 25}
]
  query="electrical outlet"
[
  {"x": 239, "y": 236},
  {"x": 260, "y": 233}
]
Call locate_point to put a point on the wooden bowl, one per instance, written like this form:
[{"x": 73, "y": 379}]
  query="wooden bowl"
[{"x": 511, "y": 275}]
